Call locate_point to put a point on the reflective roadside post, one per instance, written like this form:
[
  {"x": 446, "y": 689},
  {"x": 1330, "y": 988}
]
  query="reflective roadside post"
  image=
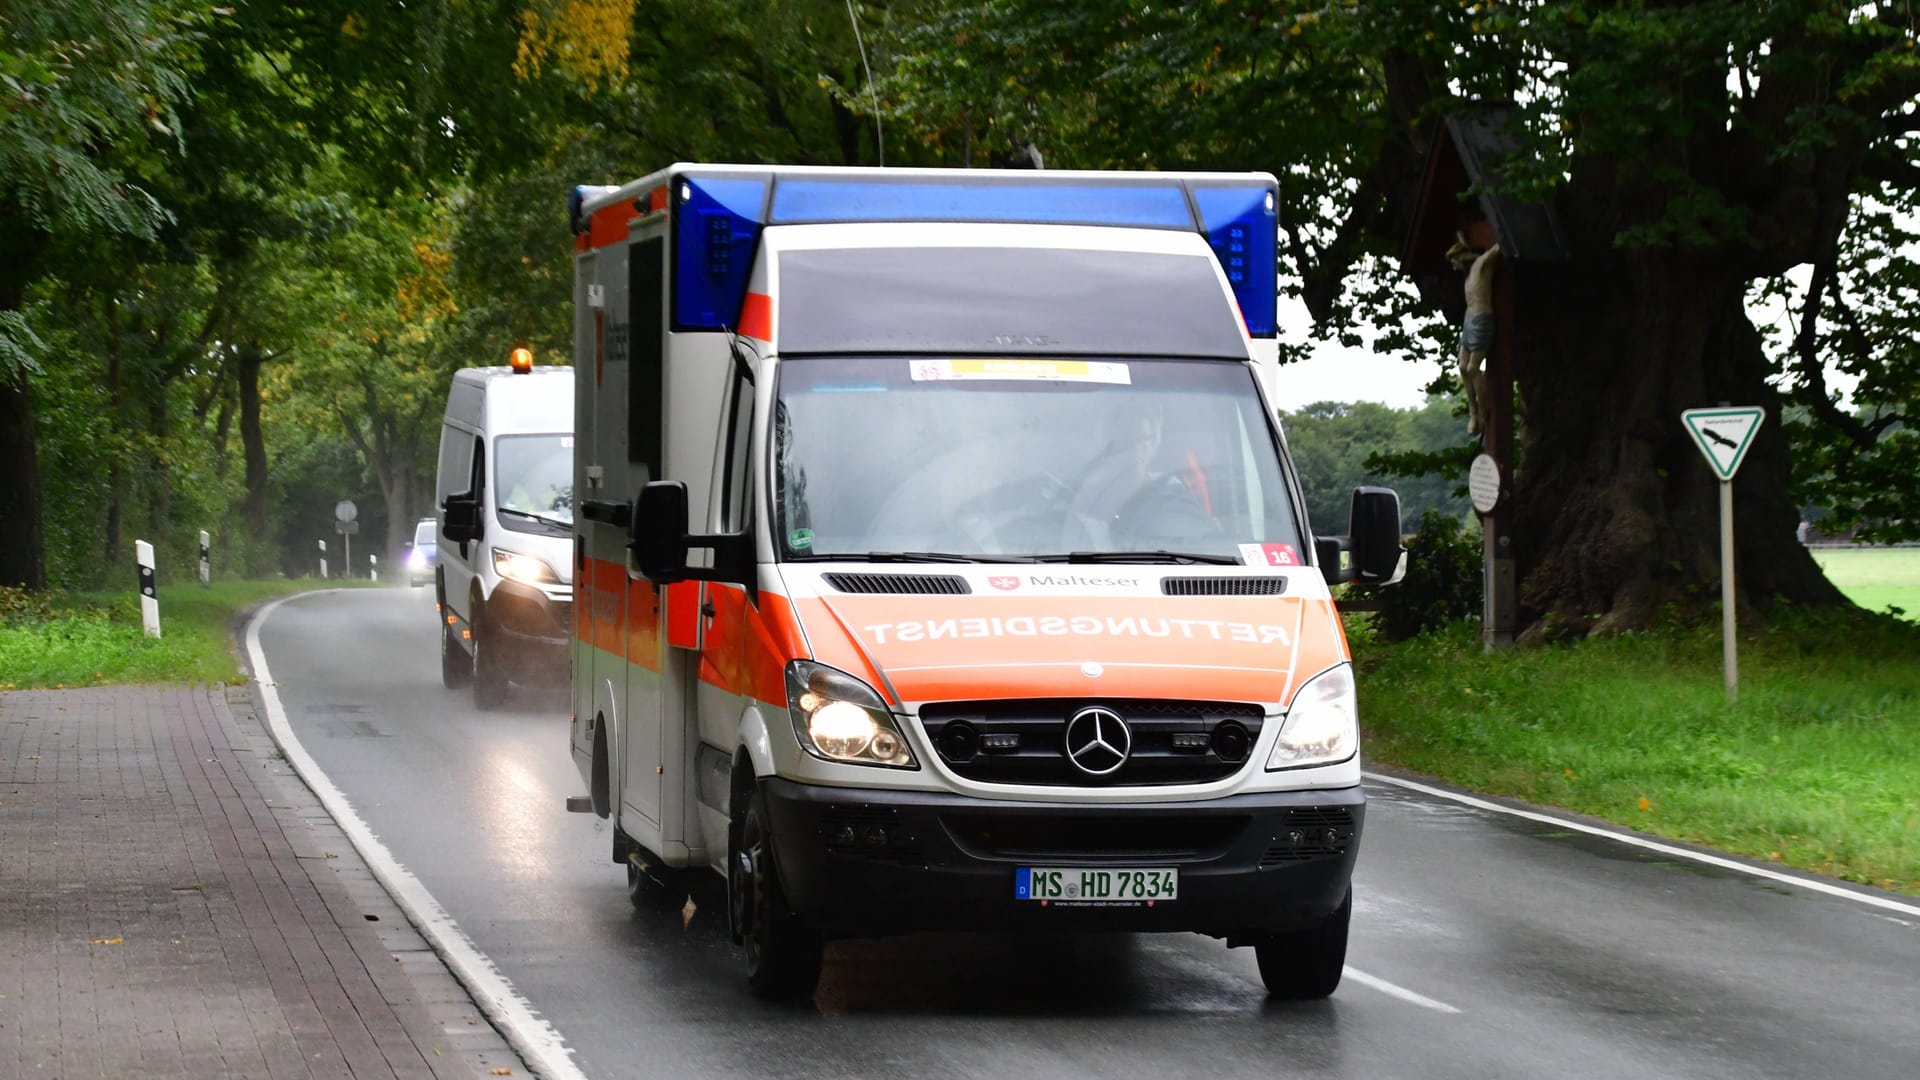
[
  {"x": 373, "y": 568},
  {"x": 206, "y": 559},
  {"x": 323, "y": 560},
  {"x": 1723, "y": 436},
  {"x": 149, "y": 595}
]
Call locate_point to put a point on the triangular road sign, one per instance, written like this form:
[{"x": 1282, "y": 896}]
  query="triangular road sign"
[{"x": 1724, "y": 434}]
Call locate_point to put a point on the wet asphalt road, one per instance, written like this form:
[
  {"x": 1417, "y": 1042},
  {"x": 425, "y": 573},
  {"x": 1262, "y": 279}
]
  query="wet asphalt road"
[{"x": 1482, "y": 946}]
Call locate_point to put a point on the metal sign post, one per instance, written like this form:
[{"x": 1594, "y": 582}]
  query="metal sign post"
[
  {"x": 343, "y": 514},
  {"x": 1723, "y": 436}
]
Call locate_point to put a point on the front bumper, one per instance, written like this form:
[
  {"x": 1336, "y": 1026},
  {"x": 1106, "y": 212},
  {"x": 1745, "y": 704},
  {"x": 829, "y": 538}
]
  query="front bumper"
[
  {"x": 536, "y": 631},
  {"x": 864, "y": 863}
]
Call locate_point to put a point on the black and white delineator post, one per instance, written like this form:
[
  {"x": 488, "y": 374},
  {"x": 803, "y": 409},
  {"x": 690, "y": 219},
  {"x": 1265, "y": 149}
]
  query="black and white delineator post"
[
  {"x": 373, "y": 568},
  {"x": 206, "y": 559},
  {"x": 149, "y": 596},
  {"x": 323, "y": 560},
  {"x": 1724, "y": 435}
]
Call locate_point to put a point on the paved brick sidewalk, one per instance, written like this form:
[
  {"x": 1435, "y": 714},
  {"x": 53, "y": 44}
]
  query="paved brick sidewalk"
[{"x": 175, "y": 903}]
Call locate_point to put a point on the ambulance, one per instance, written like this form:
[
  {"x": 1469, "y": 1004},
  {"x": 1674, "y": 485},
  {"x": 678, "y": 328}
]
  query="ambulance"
[{"x": 939, "y": 563}]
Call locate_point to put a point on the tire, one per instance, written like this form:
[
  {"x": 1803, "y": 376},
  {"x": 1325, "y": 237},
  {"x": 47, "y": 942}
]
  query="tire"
[
  {"x": 783, "y": 952},
  {"x": 489, "y": 674},
  {"x": 1303, "y": 965},
  {"x": 456, "y": 667}
]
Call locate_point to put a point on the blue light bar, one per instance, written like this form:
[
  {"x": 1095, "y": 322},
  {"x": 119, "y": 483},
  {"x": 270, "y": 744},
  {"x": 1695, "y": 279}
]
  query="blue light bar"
[
  {"x": 716, "y": 233},
  {"x": 1240, "y": 226},
  {"x": 717, "y": 223},
  {"x": 1157, "y": 206}
]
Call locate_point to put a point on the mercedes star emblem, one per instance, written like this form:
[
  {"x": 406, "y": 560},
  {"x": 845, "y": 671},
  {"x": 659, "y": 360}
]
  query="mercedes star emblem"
[{"x": 1098, "y": 741}]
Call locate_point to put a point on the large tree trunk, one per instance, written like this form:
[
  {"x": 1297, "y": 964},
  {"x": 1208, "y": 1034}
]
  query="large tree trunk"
[
  {"x": 1617, "y": 516},
  {"x": 252, "y": 441},
  {"x": 22, "y": 544},
  {"x": 22, "y": 541}
]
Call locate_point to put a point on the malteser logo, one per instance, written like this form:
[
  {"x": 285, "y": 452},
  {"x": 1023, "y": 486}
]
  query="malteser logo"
[{"x": 1004, "y": 584}]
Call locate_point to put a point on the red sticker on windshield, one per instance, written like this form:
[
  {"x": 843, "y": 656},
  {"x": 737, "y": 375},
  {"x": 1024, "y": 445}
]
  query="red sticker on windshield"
[{"x": 1269, "y": 555}]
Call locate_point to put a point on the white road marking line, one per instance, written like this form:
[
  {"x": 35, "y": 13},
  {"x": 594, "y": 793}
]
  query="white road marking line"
[
  {"x": 536, "y": 1040},
  {"x": 1810, "y": 884},
  {"x": 1401, "y": 992}
]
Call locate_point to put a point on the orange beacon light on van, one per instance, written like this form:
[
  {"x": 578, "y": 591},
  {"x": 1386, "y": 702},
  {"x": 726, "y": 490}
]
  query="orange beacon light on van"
[{"x": 522, "y": 361}]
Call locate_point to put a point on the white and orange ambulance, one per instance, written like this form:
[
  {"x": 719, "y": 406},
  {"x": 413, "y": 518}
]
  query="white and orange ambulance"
[{"x": 939, "y": 563}]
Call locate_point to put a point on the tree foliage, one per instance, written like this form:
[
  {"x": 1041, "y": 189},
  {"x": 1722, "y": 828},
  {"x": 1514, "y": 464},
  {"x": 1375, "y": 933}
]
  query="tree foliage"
[{"x": 248, "y": 245}]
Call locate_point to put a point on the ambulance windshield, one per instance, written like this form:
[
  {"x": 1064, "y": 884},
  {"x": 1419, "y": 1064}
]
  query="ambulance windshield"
[
  {"x": 1026, "y": 458},
  {"x": 533, "y": 479}
]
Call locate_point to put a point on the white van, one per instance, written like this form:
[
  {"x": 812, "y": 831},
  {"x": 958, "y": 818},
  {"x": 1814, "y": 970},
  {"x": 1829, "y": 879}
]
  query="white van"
[{"x": 504, "y": 579}]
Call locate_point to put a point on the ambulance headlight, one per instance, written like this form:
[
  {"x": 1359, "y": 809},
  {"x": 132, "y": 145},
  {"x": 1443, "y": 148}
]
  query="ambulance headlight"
[
  {"x": 1322, "y": 726},
  {"x": 839, "y": 718},
  {"x": 523, "y": 568}
]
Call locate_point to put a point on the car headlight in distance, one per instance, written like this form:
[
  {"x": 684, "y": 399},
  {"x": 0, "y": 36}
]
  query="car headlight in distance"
[
  {"x": 839, "y": 718},
  {"x": 416, "y": 560},
  {"x": 523, "y": 568},
  {"x": 1322, "y": 726}
]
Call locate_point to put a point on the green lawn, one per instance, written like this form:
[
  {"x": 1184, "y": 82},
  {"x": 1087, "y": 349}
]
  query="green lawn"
[
  {"x": 95, "y": 638},
  {"x": 1875, "y": 577},
  {"x": 1817, "y": 766}
]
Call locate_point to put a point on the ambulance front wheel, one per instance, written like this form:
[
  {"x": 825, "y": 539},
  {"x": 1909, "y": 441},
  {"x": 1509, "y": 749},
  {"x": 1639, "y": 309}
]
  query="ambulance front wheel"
[
  {"x": 1299, "y": 965},
  {"x": 783, "y": 952}
]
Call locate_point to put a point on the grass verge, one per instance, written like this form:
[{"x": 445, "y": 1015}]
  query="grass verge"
[
  {"x": 1814, "y": 767},
  {"x": 90, "y": 639},
  {"x": 1875, "y": 578}
]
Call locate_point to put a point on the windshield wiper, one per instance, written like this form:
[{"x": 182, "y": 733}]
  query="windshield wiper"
[
  {"x": 902, "y": 557},
  {"x": 555, "y": 522},
  {"x": 1139, "y": 557}
]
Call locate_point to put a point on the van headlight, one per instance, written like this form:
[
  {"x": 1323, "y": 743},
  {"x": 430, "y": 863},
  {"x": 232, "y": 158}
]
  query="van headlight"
[
  {"x": 524, "y": 569},
  {"x": 839, "y": 718},
  {"x": 1322, "y": 726}
]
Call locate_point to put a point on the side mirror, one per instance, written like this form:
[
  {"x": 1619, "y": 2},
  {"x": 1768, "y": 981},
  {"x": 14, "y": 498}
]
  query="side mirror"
[
  {"x": 1373, "y": 525},
  {"x": 659, "y": 526},
  {"x": 461, "y": 520},
  {"x": 661, "y": 542},
  {"x": 1372, "y": 544}
]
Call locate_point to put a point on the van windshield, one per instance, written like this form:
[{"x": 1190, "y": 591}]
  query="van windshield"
[
  {"x": 533, "y": 478},
  {"x": 1015, "y": 459}
]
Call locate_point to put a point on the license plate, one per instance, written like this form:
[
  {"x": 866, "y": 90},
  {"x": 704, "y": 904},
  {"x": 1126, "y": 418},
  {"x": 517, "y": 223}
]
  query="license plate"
[{"x": 1108, "y": 887}]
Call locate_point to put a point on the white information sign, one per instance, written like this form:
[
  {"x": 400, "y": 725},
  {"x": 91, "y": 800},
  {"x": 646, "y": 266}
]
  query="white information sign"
[
  {"x": 1483, "y": 483},
  {"x": 1724, "y": 434}
]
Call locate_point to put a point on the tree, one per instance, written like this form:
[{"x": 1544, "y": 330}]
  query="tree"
[
  {"x": 86, "y": 86},
  {"x": 1690, "y": 148}
]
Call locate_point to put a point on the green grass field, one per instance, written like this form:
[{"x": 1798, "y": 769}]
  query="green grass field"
[
  {"x": 1815, "y": 766},
  {"x": 1875, "y": 577},
  {"x": 93, "y": 639}
]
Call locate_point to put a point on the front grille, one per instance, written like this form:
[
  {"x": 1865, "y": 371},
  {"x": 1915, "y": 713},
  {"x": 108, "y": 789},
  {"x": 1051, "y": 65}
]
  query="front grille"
[
  {"x": 1024, "y": 741},
  {"x": 869, "y": 832},
  {"x": 900, "y": 584},
  {"x": 1309, "y": 832},
  {"x": 1122, "y": 836},
  {"x": 1223, "y": 586}
]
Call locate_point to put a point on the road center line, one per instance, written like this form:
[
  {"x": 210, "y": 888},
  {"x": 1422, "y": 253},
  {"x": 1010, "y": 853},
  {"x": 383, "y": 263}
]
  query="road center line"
[
  {"x": 1401, "y": 992},
  {"x": 536, "y": 1040},
  {"x": 1624, "y": 837}
]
